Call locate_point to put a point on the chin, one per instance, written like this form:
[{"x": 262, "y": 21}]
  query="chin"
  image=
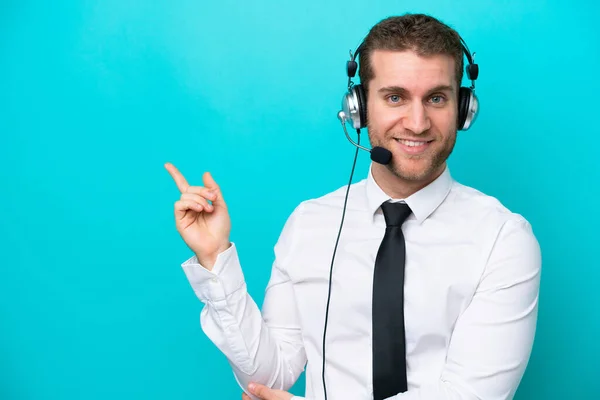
[
  {"x": 420, "y": 170},
  {"x": 410, "y": 176}
]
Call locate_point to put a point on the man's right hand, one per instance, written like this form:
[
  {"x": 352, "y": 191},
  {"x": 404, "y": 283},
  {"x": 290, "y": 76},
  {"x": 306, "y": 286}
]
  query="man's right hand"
[{"x": 204, "y": 227}]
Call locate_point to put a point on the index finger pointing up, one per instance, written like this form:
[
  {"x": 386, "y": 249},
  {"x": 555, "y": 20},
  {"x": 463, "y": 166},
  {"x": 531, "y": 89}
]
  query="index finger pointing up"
[{"x": 182, "y": 184}]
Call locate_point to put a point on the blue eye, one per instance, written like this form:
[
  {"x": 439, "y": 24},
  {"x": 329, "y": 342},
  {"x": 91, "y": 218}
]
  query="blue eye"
[
  {"x": 394, "y": 98},
  {"x": 437, "y": 99}
]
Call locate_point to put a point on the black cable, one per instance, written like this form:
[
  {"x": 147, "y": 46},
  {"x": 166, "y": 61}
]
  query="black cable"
[{"x": 332, "y": 260}]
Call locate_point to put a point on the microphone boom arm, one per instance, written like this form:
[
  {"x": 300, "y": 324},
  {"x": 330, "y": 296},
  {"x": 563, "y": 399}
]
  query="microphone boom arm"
[{"x": 342, "y": 117}]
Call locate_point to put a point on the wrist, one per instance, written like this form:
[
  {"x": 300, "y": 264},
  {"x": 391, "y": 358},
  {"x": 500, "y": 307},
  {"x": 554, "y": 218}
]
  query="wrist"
[
  {"x": 224, "y": 247},
  {"x": 208, "y": 261}
]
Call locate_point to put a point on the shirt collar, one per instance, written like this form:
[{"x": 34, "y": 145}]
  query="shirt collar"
[{"x": 422, "y": 203}]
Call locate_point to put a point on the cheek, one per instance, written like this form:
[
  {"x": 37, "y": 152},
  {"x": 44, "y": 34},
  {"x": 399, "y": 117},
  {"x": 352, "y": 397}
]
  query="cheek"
[
  {"x": 444, "y": 120},
  {"x": 382, "y": 118}
]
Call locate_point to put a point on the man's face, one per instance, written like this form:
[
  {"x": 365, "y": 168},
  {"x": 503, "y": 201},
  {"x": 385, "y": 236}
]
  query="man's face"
[{"x": 412, "y": 111}]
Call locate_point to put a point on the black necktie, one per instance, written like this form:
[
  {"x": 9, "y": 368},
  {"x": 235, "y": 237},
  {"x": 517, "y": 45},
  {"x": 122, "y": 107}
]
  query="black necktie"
[{"x": 389, "y": 353}]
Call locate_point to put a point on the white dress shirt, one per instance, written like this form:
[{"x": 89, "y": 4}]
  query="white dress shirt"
[{"x": 471, "y": 297}]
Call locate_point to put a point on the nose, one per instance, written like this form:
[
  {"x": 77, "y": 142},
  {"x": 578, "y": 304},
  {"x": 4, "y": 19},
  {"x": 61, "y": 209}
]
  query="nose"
[{"x": 416, "y": 119}]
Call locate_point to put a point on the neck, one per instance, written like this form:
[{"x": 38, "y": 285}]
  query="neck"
[{"x": 400, "y": 188}]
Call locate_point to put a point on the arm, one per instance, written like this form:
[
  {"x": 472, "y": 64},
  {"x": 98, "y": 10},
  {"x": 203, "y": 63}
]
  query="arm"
[
  {"x": 266, "y": 348},
  {"x": 492, "y": 339}
]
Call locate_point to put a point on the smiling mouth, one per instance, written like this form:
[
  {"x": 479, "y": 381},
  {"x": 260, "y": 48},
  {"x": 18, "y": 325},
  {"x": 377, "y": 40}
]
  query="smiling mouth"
[
  {"x": 413, "y": 146},
  {"x": 413, "y": 143}
]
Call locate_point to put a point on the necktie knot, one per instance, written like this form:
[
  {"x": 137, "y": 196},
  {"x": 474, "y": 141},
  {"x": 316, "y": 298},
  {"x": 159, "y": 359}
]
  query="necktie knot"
[{"x": 395, "y": 213}]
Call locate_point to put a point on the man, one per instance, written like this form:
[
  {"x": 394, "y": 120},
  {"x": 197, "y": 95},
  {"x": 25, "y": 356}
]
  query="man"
[{"x": 469, "y": 296}]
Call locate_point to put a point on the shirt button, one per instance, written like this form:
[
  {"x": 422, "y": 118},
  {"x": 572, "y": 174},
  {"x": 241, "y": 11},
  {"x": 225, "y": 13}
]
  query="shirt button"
[{"x": 214, "y": 280}]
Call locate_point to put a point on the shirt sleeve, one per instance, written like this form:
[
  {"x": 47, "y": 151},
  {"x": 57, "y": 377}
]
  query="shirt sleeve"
[
  {"x": 492, "y": 340},
  {"x": 262, "y": 347}
]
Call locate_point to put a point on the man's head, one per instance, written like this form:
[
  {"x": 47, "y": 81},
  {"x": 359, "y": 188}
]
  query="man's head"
[{"x": 411, "y": 68}]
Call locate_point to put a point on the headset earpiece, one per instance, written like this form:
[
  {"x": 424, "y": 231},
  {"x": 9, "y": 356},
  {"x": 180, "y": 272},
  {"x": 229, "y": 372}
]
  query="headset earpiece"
[
  {"x": 468, "y": 104},
  {"x": 354, "y": 107},
  {"x": 464, "y": 98},
  {"x": 362, "y": 105}
]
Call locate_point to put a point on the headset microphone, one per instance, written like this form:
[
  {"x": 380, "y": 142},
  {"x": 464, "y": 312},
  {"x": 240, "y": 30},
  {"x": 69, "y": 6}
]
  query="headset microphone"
[{"x": 378, "y": 154}]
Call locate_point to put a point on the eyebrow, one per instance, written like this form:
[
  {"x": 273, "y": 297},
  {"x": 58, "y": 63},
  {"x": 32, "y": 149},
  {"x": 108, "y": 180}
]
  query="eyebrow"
[{"x": 400, "y": 89}]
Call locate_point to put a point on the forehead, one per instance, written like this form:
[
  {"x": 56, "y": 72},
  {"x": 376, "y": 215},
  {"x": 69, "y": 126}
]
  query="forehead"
[{"x": 409, "y": 70}]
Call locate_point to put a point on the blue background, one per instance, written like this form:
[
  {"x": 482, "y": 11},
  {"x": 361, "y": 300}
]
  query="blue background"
[{"x": 95, "y": 96}]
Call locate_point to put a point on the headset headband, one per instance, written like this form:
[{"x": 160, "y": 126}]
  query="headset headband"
[{"x": 472, "y": 68}]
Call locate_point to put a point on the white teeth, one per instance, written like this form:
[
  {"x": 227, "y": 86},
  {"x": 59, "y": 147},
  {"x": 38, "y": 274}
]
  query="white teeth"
[{"x": 410, "y": 143}]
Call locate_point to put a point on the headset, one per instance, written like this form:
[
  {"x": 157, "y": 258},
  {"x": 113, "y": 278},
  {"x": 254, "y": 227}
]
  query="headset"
[{"x": 354, "y": 102}]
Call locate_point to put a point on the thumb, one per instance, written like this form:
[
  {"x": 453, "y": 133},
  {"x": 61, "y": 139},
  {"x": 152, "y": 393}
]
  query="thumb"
[
  {"x": 262, "y": 391},
  {"x": 211, "y": 184}
]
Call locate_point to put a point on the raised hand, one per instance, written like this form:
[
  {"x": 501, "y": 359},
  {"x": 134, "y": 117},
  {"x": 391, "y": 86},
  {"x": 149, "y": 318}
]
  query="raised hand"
[{"x": 204, "y": 227}]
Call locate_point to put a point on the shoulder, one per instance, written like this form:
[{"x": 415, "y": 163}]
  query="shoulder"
[
  {"x": 476, "y": 206},
  {"x": 490, "y": 220},
  {"x": 321, "y": 213},
  {"x": 323, "y": 205}
]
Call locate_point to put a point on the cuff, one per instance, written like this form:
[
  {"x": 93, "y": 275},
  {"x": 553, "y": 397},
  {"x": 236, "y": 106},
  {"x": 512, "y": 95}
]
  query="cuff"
[{"x": 225, "y": 278}]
